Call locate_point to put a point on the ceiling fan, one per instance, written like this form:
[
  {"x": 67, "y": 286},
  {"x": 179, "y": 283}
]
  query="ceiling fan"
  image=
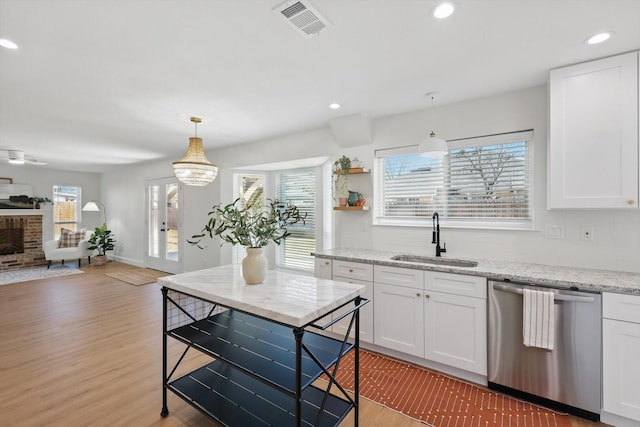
[{"x": 17, "y": 157}]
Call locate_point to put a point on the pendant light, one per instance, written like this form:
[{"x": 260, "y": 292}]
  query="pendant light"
[
  {"x": 433, "y": 146},
  {"x": 195, "y": 169}
]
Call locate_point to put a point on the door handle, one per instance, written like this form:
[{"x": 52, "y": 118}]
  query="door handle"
[{"x": 557, "y": 297}]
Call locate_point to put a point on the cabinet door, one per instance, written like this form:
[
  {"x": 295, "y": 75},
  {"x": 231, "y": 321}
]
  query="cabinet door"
[
  {"x": 456, "y": 331},
  {"x": 322, "y": 268},
  {"x": 398, "y": 321},
  {"x": 620, "y": 368},
  {"x": 593, "y": 146},
  {"x": 366, "y": 315}
]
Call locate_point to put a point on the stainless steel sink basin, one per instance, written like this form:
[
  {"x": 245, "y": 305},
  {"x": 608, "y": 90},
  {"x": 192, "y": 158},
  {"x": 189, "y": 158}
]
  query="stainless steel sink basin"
[{"x": 437, "y": 261}]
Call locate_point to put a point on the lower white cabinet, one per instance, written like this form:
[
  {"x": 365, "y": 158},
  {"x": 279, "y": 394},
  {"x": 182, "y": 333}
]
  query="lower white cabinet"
[
  {"x": 456, "y": 331},
  {"x": 621, "y": 355},
  {"x": 438, "y": 316},
  {"x": 398, "y": 323},
  {"x": 361, "y": 274},
  {"x": 322, "y": 268}
]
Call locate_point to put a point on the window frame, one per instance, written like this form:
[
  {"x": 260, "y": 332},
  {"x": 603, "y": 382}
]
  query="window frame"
[
  {"x": 280, "y": 256},
  {"x": 72, "y": 225},
  {"x": 455, "y": 144}
]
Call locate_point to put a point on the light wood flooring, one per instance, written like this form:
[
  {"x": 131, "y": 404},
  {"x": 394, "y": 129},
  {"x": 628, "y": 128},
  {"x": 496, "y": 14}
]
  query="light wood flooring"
[{"x": 86, "y": 350}]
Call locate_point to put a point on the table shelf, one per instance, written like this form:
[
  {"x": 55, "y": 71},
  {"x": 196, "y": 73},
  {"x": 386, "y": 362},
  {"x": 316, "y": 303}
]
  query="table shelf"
[
  {"x": 231, "y": 397},
  {"x": 264, "y": 371},
  {"x": 261, "y": 347}
]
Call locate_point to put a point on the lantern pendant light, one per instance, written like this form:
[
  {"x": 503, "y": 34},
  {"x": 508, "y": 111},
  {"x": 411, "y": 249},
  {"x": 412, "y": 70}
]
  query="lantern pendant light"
[
  {"x": 195, "y": 169},
  {"x": 433, "y": 146}
]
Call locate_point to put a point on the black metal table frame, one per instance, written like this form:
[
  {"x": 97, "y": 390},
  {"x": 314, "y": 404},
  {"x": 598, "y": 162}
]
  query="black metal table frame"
[{"x": 298, "y": 332}]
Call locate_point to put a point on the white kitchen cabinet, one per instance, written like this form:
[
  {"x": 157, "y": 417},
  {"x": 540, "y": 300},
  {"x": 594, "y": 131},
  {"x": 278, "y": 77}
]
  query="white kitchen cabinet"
[
  {"x": 438, "y": 316},
  {"x": 399, "y": 317},
  {"x": 621, "y": 347},
  {"x": 322, "y": 268},
  {"x": 455, "y": 331},
  {"x": 399, "y": 309},
  {"x": 362, "y": 274},
  {"x": 593, "y": 134}
]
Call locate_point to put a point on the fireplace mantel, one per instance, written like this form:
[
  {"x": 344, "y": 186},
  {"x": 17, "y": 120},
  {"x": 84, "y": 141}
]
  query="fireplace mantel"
[{"x": 20, "y": 212}]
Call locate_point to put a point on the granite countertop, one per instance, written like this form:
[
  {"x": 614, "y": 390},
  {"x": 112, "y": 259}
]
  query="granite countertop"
[
  {"x": 585, "y": 279},
  {"x": 288, "y": 298}
]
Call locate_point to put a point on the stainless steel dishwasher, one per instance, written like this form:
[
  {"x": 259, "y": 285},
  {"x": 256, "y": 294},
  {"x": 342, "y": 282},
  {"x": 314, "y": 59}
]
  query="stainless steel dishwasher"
[{"x": 565, "y": 378}]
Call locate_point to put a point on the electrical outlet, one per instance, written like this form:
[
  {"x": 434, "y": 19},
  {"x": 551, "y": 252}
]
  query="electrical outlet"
[
  {"x": 554, "y": 232},
  {"x": 586, "y": 232}
]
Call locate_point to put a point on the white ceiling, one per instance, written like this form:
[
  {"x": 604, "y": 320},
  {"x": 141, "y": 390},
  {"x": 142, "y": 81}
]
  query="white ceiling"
[{"x": 101, "y": 83}]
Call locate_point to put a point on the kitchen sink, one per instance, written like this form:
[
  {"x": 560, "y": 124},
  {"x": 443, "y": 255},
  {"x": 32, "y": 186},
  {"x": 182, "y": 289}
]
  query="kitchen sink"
[{"x": 428, "y": 260}]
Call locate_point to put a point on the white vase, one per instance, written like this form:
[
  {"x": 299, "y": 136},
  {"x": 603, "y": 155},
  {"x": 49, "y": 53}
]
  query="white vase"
[{"x": 254, "y": 266}]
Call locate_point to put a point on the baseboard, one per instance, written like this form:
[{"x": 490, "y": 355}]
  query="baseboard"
[
  {"x": 130, "y": 261},
  {"x": 617, "y": 420}
]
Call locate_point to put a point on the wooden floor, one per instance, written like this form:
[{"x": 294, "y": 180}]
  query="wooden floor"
[{"x": 86, "y": 350}]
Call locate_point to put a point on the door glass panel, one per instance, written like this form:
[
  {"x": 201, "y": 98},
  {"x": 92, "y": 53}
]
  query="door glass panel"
[
  {"x": 172, "y": 222},
  {"x": 154, "y": 227}
]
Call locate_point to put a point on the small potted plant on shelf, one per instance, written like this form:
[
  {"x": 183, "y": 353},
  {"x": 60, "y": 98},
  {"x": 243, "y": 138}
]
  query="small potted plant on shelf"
[
  {"x": 254, "y": 227},
  {"x": 342, "y": 165},
  {"x": 103, "y": 241},
  {"x": 37, "y": 201}
]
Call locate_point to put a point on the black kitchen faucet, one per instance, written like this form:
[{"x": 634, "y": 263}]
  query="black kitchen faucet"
[{"x": 436, "y": 235}]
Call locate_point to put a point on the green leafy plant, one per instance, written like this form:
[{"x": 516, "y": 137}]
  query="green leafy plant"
[
  {"x": 102, "y": 240},
  {"x": 254, "y": 226},
  {"x": 41, "y": 200},
  {"x": 343, "y": 164}
]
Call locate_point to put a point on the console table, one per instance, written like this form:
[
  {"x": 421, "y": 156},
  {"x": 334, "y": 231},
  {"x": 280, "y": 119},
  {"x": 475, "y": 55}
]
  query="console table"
[{"x": 266, "y": 344}]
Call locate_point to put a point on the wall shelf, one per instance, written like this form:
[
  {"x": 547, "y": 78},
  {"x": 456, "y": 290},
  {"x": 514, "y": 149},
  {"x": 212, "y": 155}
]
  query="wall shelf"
[
  {"x": 352, "y": 171},
  {"x": 351, "y": 208}
]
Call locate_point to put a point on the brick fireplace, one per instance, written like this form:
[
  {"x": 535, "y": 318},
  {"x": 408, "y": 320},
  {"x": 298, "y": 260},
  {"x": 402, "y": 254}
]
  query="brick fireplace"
[{"x": 30, "y": 227}]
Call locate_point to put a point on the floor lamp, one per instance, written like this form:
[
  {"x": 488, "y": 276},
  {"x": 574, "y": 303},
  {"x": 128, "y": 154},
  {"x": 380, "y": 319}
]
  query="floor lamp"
[{"x": 95, "y": 206}]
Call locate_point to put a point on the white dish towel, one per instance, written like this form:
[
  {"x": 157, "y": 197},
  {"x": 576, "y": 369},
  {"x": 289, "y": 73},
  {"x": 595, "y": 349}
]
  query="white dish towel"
[{"x": 538, "y": 319}]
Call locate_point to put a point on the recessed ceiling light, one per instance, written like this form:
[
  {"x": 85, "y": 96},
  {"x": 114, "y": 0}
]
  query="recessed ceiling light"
[
  {"x": 443, "y": 10},
  {"x": 8, "y": 44},
  {"x": 334, "y": 106},
  {"x": 599, "y": 38}
]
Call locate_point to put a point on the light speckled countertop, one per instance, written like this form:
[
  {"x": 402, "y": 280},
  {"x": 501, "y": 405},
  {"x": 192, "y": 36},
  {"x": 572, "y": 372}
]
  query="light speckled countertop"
[{"x": 584, "y": 279}]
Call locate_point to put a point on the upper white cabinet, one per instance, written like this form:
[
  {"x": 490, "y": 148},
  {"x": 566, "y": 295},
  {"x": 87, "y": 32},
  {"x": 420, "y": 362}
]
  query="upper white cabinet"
[{"x": 593, "y": 145}]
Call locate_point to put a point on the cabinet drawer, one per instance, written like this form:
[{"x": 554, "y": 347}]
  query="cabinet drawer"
[
  {"x": 352, "y": 270},
  {"x": 621, "y": 307},
  {"x": 457, "y": 284},
  {"x": 399, "y": 276}
]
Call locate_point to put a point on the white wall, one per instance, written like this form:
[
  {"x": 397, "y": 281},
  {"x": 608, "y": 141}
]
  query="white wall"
[
  {"x": 42, "y": 181},
  {"x": 123, "y": 192},
  {"x": 616, "y": 243}
]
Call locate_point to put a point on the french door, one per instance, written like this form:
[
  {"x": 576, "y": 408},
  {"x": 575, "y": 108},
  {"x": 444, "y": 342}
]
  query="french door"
[{"x": 162, "y": 231}]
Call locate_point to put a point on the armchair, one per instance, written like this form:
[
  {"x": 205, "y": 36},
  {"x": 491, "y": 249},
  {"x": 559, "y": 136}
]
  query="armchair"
[{"x": 53, "y": 251}]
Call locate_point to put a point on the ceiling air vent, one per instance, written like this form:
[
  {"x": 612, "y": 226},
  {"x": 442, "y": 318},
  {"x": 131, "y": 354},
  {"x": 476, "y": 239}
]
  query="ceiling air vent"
[{"x": 302, "y": 17}]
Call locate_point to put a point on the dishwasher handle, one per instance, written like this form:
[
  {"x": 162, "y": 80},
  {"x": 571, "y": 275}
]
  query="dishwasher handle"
[{"x": 556, "y": 297}]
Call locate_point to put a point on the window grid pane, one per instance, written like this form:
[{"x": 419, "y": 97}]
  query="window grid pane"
[
  {"x": 490, "y": 182},
  {"x": 298, "y": 188}
]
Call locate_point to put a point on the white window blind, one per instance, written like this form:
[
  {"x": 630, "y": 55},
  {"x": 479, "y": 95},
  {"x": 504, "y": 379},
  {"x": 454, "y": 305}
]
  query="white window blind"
[
  {"x": 250, "y": 190},
  {"x": 298, "y": 188},
  {"x": 484, "y": 179}
]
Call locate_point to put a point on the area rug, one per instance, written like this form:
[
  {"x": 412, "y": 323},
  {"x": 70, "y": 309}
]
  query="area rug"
[
  {"x": 439, "y": 400},
  {"x": 137, "y": 276},
  {"x": 16, "y": 276}
]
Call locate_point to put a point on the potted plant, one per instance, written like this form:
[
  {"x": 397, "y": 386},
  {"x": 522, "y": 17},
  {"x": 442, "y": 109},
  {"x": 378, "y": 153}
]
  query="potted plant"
[
  {"x": 254, "y": 227},
  {"x": 103, "y": 241},
  {"x": 341, "y": 169},
  {"x": 38, "y": 200}
]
